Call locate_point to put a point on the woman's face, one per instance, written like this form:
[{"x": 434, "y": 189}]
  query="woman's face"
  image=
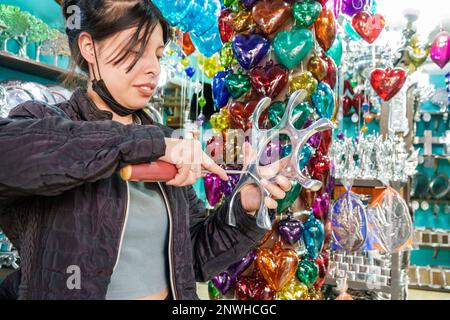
[{"x": 131, "y": 89}]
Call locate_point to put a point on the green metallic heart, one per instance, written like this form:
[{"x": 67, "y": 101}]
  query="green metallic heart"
[
  {"x": 291, "y": 47},
  {"x": 228, "y": 3},
  {"x": 237, "y": 84},
  {"x": 214, "y": 293},
  {"x": 290, "y": 197},
  {"x": 307, "y": 272},
  {"x": 305, "y": 13},
  {"x": 277, "y": 109}
]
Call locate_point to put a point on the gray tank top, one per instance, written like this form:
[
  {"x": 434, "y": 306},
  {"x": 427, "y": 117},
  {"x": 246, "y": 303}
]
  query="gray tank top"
[{"x": 143, "y": 267}]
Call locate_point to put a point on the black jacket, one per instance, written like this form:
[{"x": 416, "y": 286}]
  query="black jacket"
[{"x": 62, "y": 202}]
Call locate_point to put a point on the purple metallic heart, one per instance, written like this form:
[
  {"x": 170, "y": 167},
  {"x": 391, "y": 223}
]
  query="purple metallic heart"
[
  {"x": 248, "y": 3},
  {"x": 352, "y": 7},
  {"x": 213, "y": 188},
  {"x": 222, "y": 282},
  {"x": 228, "y": 186},
  {"x": 290, "y": 229},
  {"x": 321, "y": 206},
  {"x": 314, "y": 141},
  {"x": 249, "y": 50},
  {"x": 239, "y": 267}
]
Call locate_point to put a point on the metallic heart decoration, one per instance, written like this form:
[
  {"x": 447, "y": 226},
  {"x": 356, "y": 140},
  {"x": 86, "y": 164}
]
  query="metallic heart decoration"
[
  {"x": 226, "y": 56},
  {"x": 270, "y": 15},
  {"x": 277, "y": 265},
  {"x": 249, "y": 50},
  {"x": 253, "y": 288},
  {"x": 226, "y": 25},
  {"x": 243, "y": 21},
  {"x": 294, "y": 290},
  {"x": 440, "y": 49},
  {"x": 318, "y": 67},
  {"x": 313, "y": 236},
  {"x": 290, "y": 198},
  {"x": 387, "y": 83},
  {"x": 237, "y": 84},
  {"x": 331, "y": 76},
  {"x": 307, "y": 272},
  {"x": 220, "y": 91},
  {"x": 213, "y": 188},
  {"x": 323, "y": 100},
  {"x": 222, "y": 282},
  {"x": 368, "y": 26},
  {"x": 352, "y": 7},
  {"x": 241, "y": 113},
  {"x": 290, "y": 230},
  {"x": 304, "y": 80},
  {"x": 326, "y": 29},
  {"x": 291, "y": 47},
  {"x": 188, "y": 47},
  {"x": 209, "y": 66},
  {"x": 306, "y": 13},
  {"x": 269, "y": 80},
  {"x": 321, "y": 207}
]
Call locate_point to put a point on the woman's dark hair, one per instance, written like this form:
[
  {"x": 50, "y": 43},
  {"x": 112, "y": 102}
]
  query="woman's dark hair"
[{"x": 104, "y": 18}]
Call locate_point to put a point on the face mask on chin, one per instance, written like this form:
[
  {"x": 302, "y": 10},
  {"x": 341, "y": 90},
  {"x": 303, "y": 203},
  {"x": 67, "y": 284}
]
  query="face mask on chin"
[{"x": 99, "y": 87}]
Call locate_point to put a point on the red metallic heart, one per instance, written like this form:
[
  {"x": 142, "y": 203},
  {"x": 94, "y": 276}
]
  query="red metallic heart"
[
  {"x": 358, "y": 100},
  {"x": 270, "y": 15},
  {"x": 322, "y": 262},
  {"x": 253, "y": 288},
  {"x": 348, "y": 87},
  {"x": 319, "y": 166},
  {"x": 387, "y": 83},
  {"x": 226, "y": 25},
  {"x": 347, "y": 104},
  {"x": 269, "y": 80},
  {"x": 241, "y": 114},
  {"x": 325, "y": 141},
  {"x": 368, "y": 26},
  {"x": 331, "y": 76}
]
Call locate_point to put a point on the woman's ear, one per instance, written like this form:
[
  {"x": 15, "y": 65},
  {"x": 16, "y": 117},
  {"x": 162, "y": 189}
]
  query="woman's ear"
[{"x": 86, "y": 45}]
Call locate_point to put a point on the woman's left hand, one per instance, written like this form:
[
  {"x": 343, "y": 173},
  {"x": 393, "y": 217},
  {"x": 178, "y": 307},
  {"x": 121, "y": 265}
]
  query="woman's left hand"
[{"x": 251, "y": 194}]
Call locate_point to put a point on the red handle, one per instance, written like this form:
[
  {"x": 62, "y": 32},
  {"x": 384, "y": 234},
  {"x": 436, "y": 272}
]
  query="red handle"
[{"x": 158, "y": 171}]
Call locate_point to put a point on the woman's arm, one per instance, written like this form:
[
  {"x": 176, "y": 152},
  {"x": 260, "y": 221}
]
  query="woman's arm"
[
  {"x": 51, "y": 155},
  {"x": 216, "y": 245}
]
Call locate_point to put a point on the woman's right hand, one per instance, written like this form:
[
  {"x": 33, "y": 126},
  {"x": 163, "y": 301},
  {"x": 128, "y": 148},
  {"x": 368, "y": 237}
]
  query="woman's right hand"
[{"x": 190, "y": 160}]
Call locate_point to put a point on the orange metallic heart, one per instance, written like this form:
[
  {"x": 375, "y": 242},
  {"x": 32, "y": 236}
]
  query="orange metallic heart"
[
  {"x": 270, "y": 15},
  {"x": 188, "y": 46},
  {"x": 326, "y": 29},
  {"x": 277, "y": 265}
]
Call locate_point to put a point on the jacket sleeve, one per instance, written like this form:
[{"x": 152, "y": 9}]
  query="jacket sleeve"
[
  {"x": 51, "y": 155},
  {"x": 217, "y": 245}
]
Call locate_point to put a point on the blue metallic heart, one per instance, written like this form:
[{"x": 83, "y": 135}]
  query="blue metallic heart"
[
  {"x": 221, "y": 95},
  {"x": 249, "y": 50}
]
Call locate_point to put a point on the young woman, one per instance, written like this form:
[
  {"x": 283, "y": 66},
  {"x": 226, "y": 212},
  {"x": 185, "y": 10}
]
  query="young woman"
[{"x": 82, "y": 232}]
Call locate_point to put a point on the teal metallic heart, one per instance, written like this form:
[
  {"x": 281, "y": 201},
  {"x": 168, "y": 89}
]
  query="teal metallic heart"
[
  {"x": 291, "y": 196},
  {"x": 305, "y": 13},
  {"x": 291, "y": 47},
  {"x": 336, "y": 50},
  {"x": 302, "y": 111},
  {"x": 237, "y": 84},
  {"x": 313, "y": 236},
  {"x": 323, "y": 100}
]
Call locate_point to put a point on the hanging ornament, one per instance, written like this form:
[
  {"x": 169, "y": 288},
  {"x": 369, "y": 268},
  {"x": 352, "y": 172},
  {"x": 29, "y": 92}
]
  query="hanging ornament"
[
  {"x": 249, "y": 50},
  {"x": 387, "y": 83},
  {"x": 290, "y": 230},
  {"x": 350, "y": 31},
  {"x": 253, "y": 288},
  {"x": 219, "y": 89},
  {"x": 336, "y": 50},
  {"x": 290, "y": 198},
  {"x": 368, "y": 26},
  {"x": 352, "y": 7},
  {"x": 307, "y": 272},
  {"x": 190, "y": 72},
  {"x": 318, "y": 67},
  {"x": 237, "y": 84},
  {"x": 326, "y": 29},
  {"x": 226, "y": 25},
  {"x": 440, "y": 49},
  {"x": 292, "y": 46},
  {"x": 416, "y": 52},
  {"x": 188, "y": 46},
  {"x": 270, "y": 15},
  {"x": 213, "y": 188},
  {"x": 243, "y": 21},
  {"x": 306, "y": 13},
  {"x": 241, "y": 113},
  {"x": 277, "y": 265},
  {"x": 304, "y": 80},
  {"x": 226, "y": 55},
  {"x": 323, "y": 100},
  {"x": 209, "y": 66},
  {"x": 313, "y": 236},
  {"x": 269, "y": 80},
  {"x": 331, "y": 76},
  {"x": 214, "y": 293},
  {"x": 294, "y": 290}
]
